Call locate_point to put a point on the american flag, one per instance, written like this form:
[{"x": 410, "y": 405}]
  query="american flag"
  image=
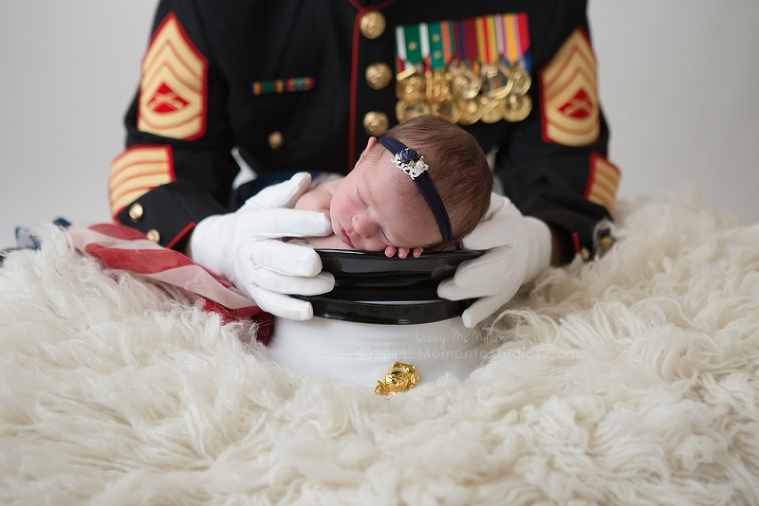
[{"x": 120, "y": 247}]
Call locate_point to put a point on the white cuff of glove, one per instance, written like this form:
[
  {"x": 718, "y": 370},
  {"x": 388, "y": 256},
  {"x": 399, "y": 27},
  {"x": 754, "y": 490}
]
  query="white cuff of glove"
[{"x": 207, "y": 232}]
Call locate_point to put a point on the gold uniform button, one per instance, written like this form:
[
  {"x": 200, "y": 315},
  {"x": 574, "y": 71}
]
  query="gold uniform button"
[
  {"x": 275, "y": 140},
  {"x": 376, "y": 123},
  {"x": 372, "y": 24},
  {"x": 378, "y": 75},
  {"x": 135, "y": 212},
  {"x": 154, "y": 235}
]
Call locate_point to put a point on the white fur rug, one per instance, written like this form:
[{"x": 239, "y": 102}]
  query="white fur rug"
[{"x": 631, "y": 380}]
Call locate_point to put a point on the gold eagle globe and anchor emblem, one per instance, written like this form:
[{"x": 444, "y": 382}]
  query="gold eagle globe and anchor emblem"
[{"x": 400, "y": 378}]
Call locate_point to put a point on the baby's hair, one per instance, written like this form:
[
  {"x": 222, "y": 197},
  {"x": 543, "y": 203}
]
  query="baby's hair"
[{"x": 457, "y": 166}]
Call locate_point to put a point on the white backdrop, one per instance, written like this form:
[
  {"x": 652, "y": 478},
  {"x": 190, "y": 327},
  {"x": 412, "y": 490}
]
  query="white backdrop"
[{"x": 677, "y": 78}]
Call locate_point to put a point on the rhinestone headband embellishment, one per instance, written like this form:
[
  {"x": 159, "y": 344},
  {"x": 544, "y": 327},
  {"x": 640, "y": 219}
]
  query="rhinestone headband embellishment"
[{"x": 409, "y": 161}]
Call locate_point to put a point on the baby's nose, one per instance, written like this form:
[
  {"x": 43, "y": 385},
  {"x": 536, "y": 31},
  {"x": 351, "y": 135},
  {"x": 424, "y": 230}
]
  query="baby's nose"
[{"x": 363, "y": 225}]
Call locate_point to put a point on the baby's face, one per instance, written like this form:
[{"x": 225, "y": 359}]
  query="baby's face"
[{"x": 369, "y": 211}]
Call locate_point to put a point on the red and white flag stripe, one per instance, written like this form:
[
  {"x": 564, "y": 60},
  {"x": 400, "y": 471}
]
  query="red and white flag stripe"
[{"x": 120, "y": 247}]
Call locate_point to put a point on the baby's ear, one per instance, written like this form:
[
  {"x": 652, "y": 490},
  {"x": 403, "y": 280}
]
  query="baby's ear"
[{"x": 369, "y": 145}]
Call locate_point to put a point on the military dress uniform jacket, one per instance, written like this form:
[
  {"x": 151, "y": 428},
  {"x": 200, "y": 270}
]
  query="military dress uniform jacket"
[{"x": 302, "y": 84}]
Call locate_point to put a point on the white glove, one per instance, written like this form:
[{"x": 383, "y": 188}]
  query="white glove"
[
  {"x": 246, "y": 248},
  {"x": 519, "y": 249}
]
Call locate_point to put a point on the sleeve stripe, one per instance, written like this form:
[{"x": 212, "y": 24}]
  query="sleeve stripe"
[
  {"x": 603, "y": 181},
  {"x": 136, "y": 171}
]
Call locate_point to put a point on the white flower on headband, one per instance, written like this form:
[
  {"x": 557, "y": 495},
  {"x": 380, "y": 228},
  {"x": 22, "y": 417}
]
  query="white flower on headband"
[{"x": 413, "y": 168}]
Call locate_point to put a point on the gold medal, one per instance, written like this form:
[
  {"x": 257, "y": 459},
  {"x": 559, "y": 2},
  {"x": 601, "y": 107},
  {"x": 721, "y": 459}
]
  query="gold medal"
[
  {"x": 405, "y": 111},
  {"x": 471, "y": 111},
  {"x": 410, "y": 86},
  {"x": 438, "y": 83},
  {"x": 515, "y": 107},
  {"x": 490, "y": 112},
  {"x": 465, "y": 83},
  {"x": 520, "y": 78},
  {"x": 448, "y": 110},
  {"x": 495, "y": 81}
]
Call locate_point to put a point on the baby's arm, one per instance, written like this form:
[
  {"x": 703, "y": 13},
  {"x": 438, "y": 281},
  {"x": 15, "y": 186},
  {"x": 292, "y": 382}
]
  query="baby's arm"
[{"x": 318, "y": 198}]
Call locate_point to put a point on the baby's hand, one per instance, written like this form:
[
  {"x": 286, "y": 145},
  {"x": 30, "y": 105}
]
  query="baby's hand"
[{"x": 390, "y": 251}]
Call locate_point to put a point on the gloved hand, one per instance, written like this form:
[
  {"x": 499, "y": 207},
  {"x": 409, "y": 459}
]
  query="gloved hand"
[
  {"x": 519, "y": 248},
  {"x": 246, "y": 249}
]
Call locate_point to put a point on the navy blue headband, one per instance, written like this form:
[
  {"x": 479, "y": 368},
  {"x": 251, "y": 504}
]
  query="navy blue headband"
[{"x": 410, "y": 162}]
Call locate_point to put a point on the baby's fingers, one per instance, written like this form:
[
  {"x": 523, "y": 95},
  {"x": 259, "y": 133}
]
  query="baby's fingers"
[{"x": 390, "y": 251}]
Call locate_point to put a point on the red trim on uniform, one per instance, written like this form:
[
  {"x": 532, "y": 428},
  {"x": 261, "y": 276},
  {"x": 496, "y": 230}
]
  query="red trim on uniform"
[
  {"x": 576, "y": 241},
  {"x": 204, "y": 77},
  {"x": 354, "y": 87},
  {"x": 355, "y": 76},
  {"x": 186, "y": 230},
  {"x": 172, "y": 172}
]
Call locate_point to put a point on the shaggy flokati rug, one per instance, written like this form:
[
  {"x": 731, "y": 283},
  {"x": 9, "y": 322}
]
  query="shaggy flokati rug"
[{"x": 630, "y": 380}]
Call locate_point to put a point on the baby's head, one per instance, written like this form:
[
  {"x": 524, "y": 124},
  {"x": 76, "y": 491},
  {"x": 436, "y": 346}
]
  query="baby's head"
[
  {"x": 379, "y": 205},
  {"x": 457, "y": 165}
]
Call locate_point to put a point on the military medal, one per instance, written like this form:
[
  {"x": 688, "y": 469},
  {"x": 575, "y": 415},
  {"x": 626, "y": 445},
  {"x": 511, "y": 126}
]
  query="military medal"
[
  {"x": 490, "y": 112},
  {"x": 469, "y": 70},
  {"x": 438, "y": 85},
  {"x": 495, "y": 81},
  {"x": 448, "y": 110},
  {"x": 410, "y": 81},
  {"x": 405, "y": 111},
  {"x": 515, "y": 107},
  {"x": 410, "y": 86},
  {"x": 471, "y": 111},
  {"x": 519, "y": 78},
  {"x": 465, "y": 83}
]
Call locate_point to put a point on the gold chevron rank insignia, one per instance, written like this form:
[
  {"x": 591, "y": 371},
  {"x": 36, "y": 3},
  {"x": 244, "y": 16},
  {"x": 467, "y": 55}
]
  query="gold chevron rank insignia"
[
  {"x": 603, "y": 181},
  {"x": 173, "y": 85},
  {"x": 136, "y": 171},
  {"x": 569, "y": 97}
]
